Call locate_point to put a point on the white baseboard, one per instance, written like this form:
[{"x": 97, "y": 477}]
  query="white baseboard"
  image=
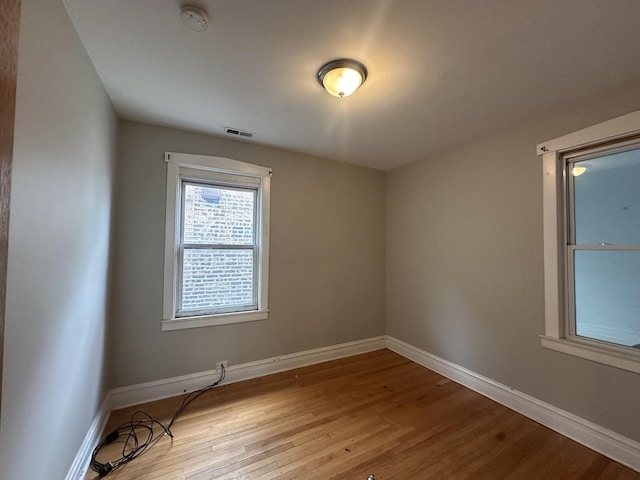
[
  {"x": 80, "y": 464},
  {"x": 600, "y": 439},
  {"x": 170, "y": 387}
]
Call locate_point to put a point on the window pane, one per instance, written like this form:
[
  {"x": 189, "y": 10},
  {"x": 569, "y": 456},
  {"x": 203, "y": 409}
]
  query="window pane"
[
  {"x": 218, "y": 215},
  {"x": 217, "y": 278},
  {"x": 607, "y": 292},
  {"x": 607, "y": 200}
]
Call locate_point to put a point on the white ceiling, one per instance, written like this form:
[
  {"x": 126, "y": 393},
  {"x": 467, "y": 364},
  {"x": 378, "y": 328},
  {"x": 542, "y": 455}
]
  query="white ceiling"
[{"x": 440, "y": 71}]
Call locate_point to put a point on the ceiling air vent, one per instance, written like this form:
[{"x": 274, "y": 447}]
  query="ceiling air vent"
[{"x": 238, "y": 132}]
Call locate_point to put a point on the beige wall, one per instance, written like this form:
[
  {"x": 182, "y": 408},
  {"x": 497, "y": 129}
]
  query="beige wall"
[
  {"x": 465, "y": 266},
  {"x": 327, "y": 280},
  {"x": 55, "y": 361}
]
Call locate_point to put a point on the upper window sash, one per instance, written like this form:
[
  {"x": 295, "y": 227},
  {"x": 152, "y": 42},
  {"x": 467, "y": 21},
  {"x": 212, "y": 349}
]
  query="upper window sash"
[
  {"x": 574, "y": 159},
  {"x": 254, "y": 190}
]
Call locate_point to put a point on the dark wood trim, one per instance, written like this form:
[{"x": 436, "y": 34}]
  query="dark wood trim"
[{"x": 9, "y": 27}]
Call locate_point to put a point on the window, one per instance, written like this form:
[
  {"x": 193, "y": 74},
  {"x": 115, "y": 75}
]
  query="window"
[
  {"x": 592, "y": 242},
  {"x": 216, "y": 241}
]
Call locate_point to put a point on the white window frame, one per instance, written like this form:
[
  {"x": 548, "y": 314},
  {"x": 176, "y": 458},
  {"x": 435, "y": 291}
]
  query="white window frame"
[
  {"x": 557, "y": 335},
  {"x": 233, "y": 173}
]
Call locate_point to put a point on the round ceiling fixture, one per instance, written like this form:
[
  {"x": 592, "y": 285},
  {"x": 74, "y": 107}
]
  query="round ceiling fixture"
[
  {"x": 194, "y": 18},
  {"x": 342, "y": 77}
]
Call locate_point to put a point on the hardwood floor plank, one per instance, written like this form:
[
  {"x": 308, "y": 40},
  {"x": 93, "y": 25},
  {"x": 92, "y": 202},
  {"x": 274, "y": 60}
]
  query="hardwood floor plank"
[{"x": 346, "y": 419}]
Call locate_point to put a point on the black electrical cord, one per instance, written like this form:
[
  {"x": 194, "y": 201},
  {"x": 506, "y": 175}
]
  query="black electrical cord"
[{"x": 138, "y": 434}]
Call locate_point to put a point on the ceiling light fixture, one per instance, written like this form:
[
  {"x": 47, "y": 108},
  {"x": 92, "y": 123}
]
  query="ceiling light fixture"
[
  {"x": 194, "y": 18},
  {"x": 342, "y": 77}
]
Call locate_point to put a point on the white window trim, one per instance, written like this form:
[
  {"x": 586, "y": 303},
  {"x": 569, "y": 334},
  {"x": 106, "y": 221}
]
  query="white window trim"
[
  {"x": 177, "y": 163},
  {"x": 556, "y": 336}
]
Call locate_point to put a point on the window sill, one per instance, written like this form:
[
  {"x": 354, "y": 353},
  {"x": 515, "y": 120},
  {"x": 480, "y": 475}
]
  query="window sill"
[
  {"x": 595, "y": 351},
  {"x": 182, "y": 323}
]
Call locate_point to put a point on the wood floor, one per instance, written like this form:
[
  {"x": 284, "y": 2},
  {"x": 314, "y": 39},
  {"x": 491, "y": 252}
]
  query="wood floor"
[{"x": 376, "y": 413}]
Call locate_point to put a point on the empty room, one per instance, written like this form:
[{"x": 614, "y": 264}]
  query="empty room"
[{"x": 364, "y": 239}]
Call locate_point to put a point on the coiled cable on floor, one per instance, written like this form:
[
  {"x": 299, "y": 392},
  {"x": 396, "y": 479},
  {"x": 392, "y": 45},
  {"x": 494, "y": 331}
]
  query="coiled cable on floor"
[{"x": 138, "y": 434}]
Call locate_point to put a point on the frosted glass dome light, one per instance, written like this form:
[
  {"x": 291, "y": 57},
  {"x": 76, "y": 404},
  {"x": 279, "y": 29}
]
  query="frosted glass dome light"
[{"x": 342, "y": 77}]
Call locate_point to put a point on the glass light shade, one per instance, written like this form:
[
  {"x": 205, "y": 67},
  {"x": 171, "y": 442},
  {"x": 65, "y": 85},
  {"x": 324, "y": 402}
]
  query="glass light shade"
[
  {"x": 342, "y": 82},
  {"x": 342, "y": 77}
]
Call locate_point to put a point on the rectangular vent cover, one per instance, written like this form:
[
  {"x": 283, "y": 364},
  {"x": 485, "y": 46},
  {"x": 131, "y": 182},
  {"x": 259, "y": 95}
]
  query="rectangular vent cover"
[{"x": 238, "y": 132}]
